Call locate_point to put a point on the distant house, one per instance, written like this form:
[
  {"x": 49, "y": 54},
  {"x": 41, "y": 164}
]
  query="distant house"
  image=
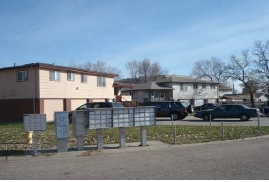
[
  {"x": 262, "y": 97},
  {"x": 183, "y": 88},
  {"x": 45, "y": 88},
  {"x": 223, "y": 90}
]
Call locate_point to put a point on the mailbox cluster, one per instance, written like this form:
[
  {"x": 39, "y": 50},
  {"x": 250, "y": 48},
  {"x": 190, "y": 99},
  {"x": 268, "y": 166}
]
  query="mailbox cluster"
[{"x": 98, "y": 119}]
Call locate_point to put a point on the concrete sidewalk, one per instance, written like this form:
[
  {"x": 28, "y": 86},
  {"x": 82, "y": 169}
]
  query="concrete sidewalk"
[{"x": 92, "y": 151}]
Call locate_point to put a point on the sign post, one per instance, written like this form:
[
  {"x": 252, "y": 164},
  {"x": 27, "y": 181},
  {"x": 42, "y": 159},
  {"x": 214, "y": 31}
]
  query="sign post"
[{"x": 61, "y": 122}]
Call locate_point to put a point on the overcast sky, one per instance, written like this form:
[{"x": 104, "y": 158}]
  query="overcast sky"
[{"x": 175, "y": 33}]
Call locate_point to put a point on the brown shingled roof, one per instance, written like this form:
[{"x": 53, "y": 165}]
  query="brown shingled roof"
[{"x": 56, "y": 67}]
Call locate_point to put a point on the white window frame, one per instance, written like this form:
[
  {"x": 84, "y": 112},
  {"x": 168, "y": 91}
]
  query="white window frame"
[
  {"x": 183, "y": 87},
  {"x": 84, "y": 78},
  {"x": 70, "y": 76},
  {"x": 195, "y": 86},
  {"x": 203, "y": 86},
  {"x": 54, "y": 75},
  {"x": 22, "y": 75},
  {"x": 101, "y": 81}
]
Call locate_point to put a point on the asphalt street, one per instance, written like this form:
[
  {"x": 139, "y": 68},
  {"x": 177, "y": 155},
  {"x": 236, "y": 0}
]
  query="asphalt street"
[
  {"x": 224, "y": 160},
  {"x": 193, "y": 121}
]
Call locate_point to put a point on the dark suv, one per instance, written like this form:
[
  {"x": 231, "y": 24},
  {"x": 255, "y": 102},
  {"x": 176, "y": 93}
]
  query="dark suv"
[
  {"x": 174, "y": 110},
  {"x": 95, "y": 105}
]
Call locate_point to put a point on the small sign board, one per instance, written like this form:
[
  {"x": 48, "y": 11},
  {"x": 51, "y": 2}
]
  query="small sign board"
[
  {"x": 34, "y": 122},
  {"x": 100, "y": 118},
  {"x": 61, "y": 121}
]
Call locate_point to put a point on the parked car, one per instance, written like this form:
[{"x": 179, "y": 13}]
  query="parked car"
[
  {"x": 189, "y": 107},
  {"x": 174, "y": 110},
  {"x": 95, "y": 105},
  {"x": 265, "y": 110},
  {"x": 228, "y": 111},
  {"x": 206, "y": 106}
]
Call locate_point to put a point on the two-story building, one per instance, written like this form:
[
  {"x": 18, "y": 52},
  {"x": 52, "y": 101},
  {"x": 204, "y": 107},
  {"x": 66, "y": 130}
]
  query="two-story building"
[
  {"x": 45, "y": 88},
  {"x": 191, "y": 90}
]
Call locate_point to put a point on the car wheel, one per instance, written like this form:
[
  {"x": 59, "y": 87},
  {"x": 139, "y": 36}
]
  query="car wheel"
[
  {"x": 206, "y": 117},
  {"x": 267, "y": 114},
  {"x": 174, "y": 116},
  {"x": 244, "y": 117},
  {"x": 70, "y": 118}
]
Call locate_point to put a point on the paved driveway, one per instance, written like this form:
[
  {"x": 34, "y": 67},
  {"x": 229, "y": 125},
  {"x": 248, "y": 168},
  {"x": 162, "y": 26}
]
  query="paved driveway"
[{"x": 193, "y": 121}]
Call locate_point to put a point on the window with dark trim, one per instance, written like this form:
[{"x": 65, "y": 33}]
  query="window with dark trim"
[
  {"x": 183, "y": 87},
  {"x": 84, "y": 78},
  {"x": 213, "y": 87},
  {"x": 22, "y": 75},
  {"x": 101, "y": 81},
  {"x": 70, "y": 76},
  {"x": 54, "y": 75}
]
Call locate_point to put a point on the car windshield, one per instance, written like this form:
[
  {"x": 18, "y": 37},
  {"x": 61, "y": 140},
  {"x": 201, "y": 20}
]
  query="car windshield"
[
  {"x": 117, "y": 104},
  {"x": 178, "y": 104},
  {"x": 184, "y": 104},
  {"x": 245, "y": 107}
]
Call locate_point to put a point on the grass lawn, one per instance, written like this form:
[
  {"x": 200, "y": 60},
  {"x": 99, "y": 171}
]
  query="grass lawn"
[{"x": 13, "y": 136}]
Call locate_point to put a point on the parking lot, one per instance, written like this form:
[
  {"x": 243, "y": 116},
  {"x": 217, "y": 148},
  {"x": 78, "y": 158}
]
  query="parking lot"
[{"x": 193, "y": 121}]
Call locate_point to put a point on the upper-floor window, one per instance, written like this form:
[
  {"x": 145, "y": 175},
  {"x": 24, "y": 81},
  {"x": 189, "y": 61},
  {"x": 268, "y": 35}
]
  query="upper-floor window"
[
  {"x": 203, "y": 85},
  {"x": 213, "y": 87},
  {"x": 54, "y": 75},
  {"x": 84, "y": 78},
  {"x": 70, "y": 76},
  {"x": 101, "y": 81},
  {"x": 195, "y": 86},
  {"x": 22, "y": 75},
  {"x": 183, "y": 87}
]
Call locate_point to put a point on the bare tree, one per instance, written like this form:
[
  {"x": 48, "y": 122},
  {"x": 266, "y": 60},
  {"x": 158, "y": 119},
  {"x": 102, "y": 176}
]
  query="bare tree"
[
  {"x": 99, "y": 66},
  {"x": 261, "y": 59},
  {"x": 133, "y": 68},
  {"x": 240, "y": 69},
  {"x": 156, "y": 70},
  {"x": 212, "y": 69},
  {"x": 145, "y": 70}
]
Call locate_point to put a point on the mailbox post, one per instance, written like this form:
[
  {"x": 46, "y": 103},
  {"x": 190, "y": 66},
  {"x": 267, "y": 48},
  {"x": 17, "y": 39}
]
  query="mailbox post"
[
  {"x": 79, "y": 123},
  {"x": 61, "y": 122}
]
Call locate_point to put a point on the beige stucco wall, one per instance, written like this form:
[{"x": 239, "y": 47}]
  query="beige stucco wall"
[
  {"x": 11, "y": 89},
  {"x": 74, "y": 89},
  {"x": 75, "y": 103},
  {"x": 51, "y": 106}
]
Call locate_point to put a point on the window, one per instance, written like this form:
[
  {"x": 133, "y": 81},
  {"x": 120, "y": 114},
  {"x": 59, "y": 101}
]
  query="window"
[
  {"x": 84, "y": 78},
  {"x": 22, "y": 76},
  {"x": 213, "y": 87},
  {"x": 204, "y": 86},
  {"x": 54, "y": 75},
  {"x": 183, "y": 87},
  {"x": 101, "y": 81},
  {"x": 70, "y": 76},
  {"x": 195, "y": 86},
  {"x": 135, "y": 95}
]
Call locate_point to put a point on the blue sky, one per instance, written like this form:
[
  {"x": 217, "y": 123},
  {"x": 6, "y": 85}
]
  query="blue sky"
[{"x": 175, "y": 33}]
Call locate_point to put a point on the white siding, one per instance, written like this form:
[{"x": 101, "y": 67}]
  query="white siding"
[{"x": 200, "y": 93}]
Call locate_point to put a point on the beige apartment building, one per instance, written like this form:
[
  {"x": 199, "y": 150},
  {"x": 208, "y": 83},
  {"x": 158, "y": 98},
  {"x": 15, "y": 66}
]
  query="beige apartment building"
[{"x": 45, "y": 88}]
